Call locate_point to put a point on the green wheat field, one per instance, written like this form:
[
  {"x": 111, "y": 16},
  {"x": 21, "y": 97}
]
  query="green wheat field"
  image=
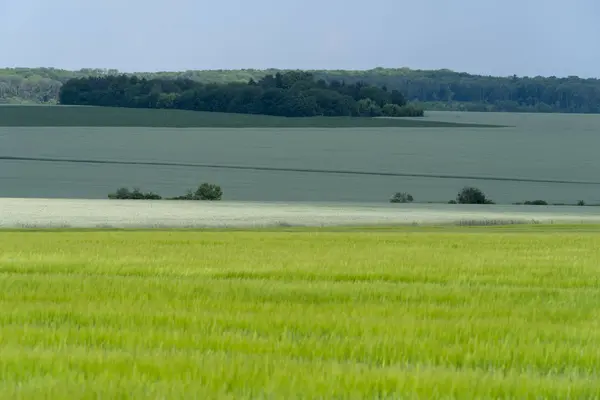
[
  {"x": 416, "y": 313},
  {"x": 79, "y": 116}
]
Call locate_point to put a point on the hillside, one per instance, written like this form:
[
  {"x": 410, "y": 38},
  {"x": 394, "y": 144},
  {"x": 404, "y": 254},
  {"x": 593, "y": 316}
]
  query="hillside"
[
  {"x": 48, "y": 116},
  {"x": 435, "y": 89}
]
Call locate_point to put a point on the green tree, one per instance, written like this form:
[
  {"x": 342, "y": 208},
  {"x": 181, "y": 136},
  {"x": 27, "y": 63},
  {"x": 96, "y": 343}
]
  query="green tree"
[
  {"x": 472, "y": 195},
  {"x": 401, "y": 197},
  {"x": 368, "y": 108},
  {"x": 208, "y": 191},
  {"x": 291, "y": 94}
]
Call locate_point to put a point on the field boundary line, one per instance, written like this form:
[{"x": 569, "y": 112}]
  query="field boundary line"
[{"x": 306, "y": 170}]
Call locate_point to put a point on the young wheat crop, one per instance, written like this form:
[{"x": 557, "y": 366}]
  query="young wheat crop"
[{"x": 436, "y": 313}]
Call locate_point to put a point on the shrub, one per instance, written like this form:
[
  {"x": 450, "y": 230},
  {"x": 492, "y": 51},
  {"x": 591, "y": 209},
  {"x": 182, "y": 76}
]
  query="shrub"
[
  {"x": 208, "y": 191},
  {"x": 452, "y": 202},
  {"x": 136, "y": 194},
  {"x": 152, "y": 196},
  {"x": 401, "y": 197},
  {"x": 536, "y": 203},
  {"x": 121, "y": 193},
  {"x": 368, "y": 108},
  {"x": 581, "y": 203},
  {"x": 188, "y": 196},
  {"x": 394, "y": 110},
  {"x": 472, "y": 195},
  {"x": 411, "y": 110}
]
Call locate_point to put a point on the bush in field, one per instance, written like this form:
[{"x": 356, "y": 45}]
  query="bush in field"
[
  {"x": 209, "y": 191},
  {"x": 188, "y": 196},
  {"x": 206, "y": 191},
  {"x": 121, "y": 193},
  {"x": 135, "y": 194},
  {"x": 472, "y": 195},
  {"x": 401, "y": 197},
  {"x": 536, "y": 203},
  {"x": 581, "y": 203}
]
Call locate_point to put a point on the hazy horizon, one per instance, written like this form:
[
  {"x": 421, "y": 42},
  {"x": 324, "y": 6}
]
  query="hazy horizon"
[
  {"x": 499, "y": 38},
  {"x": 302, "y": 69}
]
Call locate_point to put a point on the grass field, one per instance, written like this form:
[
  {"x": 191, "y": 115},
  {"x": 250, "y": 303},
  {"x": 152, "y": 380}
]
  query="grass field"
[
  {"x": 391, "y": 313},
  {"x": 531, "y": 160},
  {"x": 79, "y": 116}
]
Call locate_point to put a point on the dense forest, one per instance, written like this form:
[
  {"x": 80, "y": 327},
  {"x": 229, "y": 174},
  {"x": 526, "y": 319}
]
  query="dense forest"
[
  {"x": 289, "y": 94},
  {"x": 433, "y": 90}
]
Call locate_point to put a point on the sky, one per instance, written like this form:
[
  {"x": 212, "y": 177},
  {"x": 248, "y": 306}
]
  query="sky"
[{"x": 490, "y": 37}]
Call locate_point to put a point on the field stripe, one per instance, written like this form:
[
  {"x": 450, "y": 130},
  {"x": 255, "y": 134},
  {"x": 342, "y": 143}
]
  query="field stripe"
[{"x": 307, "y": 170}]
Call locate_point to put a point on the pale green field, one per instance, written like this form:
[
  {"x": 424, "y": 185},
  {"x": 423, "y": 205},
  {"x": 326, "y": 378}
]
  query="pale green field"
[
  {"x": 551, "y": 157},
  {"x": 395, "y": 313}
]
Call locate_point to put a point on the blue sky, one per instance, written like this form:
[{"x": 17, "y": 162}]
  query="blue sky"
[{"x": 497, "y": 37}]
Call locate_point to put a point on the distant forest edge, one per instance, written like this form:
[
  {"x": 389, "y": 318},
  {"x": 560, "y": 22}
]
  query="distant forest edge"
[
  {"x": 288, "y": 94},
  {"x": 429, "y": 89}
]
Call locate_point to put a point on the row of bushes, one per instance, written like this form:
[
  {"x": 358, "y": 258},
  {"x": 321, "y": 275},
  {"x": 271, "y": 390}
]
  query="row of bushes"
[
  {"x": 469, "y": 195},
  {"x": 206, "y": 191},
  {"x": 213, "y": 192},
  {"x": 545, "y": 203}
]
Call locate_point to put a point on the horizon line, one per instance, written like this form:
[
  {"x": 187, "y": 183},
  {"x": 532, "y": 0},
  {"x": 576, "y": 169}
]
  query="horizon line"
[{"x": 159, "y": 71}]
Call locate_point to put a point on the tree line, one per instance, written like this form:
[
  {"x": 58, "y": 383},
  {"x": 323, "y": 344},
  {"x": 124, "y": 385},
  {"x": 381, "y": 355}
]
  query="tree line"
[
  {"x": 431, "y": 89},
  {"x": 449, "y": 90},
  {"x": 289, "y": 94},
  {"x": 206, "y": 191},
  {"x": 473, "y": 195},
  {"x": 213, "y": 192}
]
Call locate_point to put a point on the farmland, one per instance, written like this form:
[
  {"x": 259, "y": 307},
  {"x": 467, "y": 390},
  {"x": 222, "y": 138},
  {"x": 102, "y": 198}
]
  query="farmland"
[
  {"x": 125, "y": 214},
  {"x": 536, "y": 156},
  {"x": 273, "y": 310},
  {"x": 83, "y": 116},
  {"x": 427, "y": 313}
]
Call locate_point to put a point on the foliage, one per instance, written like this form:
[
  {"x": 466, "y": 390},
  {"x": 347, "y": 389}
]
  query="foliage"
[
  {"x": 432, "y": 89},
  {"x": 536, "y": 203},
  {"x": 402, "y": 197},
  {"x": 456, "y": 91},
  {"x": 135, "y": 194},
  {"x": 410, "y": 110},
  {"x": 581, "y": 203},
  {"x": 206, "y": 191},
  {"x": 291, "y": 94},
  {"x": 189, "y": 195},
  {"x": 472, "y": 195},
  {"x": 369, "y": 108},
  {"x": 214, "y": 315},
  {"x": 209, "y": 191}
]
